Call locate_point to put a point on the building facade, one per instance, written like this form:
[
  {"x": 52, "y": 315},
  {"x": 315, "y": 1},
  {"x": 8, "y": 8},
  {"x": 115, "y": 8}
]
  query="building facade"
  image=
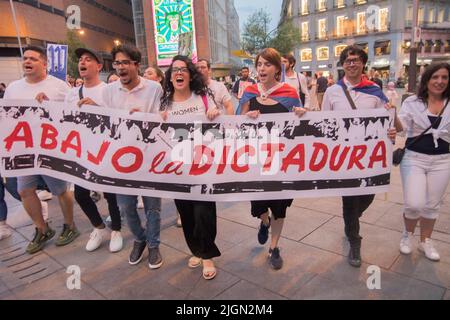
[
  {"x": 215, "y": 29},
  {"x": 103, "y": 25},
  {"x": 381, "y": 27}
]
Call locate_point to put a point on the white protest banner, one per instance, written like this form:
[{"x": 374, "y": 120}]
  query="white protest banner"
[{"x": 233, "y": 158}]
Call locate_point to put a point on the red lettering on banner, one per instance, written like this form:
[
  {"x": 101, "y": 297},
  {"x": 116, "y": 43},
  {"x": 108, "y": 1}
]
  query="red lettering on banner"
[
  {"x": 138, "y": 159},
  {"x": 101, "y": 153},
  {"x": 49, "y": 132},
  {"x": 357, "y": 154},
  {"x": 223, "y": 161},
  {"x": 272, "y": 149},
  {"x": 295, "y": 157},
  {"x": 336, "y": 166},
  {"x": 67, "y": 144},
  {"x": 14, "y": 137},
  {"x": 199, "y": 152},
  {"x": 375, "y": 157},
  {"x": 241, "y": 151},
  {"x": 313, "y": 166},
  {"x": 174, "y": 167}
]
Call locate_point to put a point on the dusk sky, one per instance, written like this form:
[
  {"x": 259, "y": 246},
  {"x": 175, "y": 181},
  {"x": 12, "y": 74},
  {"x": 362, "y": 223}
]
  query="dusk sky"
[{"x": 246, "y": 7}]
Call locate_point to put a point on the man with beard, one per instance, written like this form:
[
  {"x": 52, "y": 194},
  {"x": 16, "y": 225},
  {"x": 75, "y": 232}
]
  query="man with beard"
[{"x": 136, "y": 94}]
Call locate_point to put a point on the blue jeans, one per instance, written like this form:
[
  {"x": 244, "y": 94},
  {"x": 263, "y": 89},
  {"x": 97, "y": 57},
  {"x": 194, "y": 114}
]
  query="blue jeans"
[
  {"x": 11, "y": 186},
  {"x": 152, "y": 208}
]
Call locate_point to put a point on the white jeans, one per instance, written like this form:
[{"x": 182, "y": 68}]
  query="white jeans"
[{"x": 425, "y": 179}]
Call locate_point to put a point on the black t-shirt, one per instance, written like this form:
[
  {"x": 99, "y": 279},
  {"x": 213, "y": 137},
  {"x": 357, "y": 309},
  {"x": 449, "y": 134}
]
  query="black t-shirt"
[
  {"x": 276, "y": 108},
  {"x": 322, "y": 84}
]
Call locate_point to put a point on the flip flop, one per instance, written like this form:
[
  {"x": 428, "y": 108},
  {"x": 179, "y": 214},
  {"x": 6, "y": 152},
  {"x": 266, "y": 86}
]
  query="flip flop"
[
  {"x": 194, "y": 262},
  {"x": 209, "y": 273}
]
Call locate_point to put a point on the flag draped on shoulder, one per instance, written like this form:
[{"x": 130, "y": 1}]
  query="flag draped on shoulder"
[
  {"x": 285, "y": 94},
  {"x": 367, "y": 87}
]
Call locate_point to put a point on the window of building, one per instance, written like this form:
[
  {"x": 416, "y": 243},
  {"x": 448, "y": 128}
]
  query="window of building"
[
  {"x": 421, "y": 15},
  {"x": 339, "y": 3},
  {"x": 323, "y": 53},
  {"x": 431, "y": 15},
  {"x": 383, "y": 16},
  {"x": 322, "y": 28},
  {"x": 338, "y": 49},
  {"x": 441, "y": 14},
  {"x": 305, "y": 31},
  {"x": 364, "y": 46},
  {"x": 360, "y": 1},
  {"x": 304, "y": 8},
  {"x": 340, "y": 26},
  {"x": 382, "y": 47},
  {"x": 409, "y": 13},
  {"x": 322, "y": 5},
  {"x": 361, "y": 22},
  {"x": 306, "y": 55}
]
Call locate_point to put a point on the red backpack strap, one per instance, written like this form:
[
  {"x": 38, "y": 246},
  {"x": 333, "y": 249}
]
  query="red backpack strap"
[{"x": 205, "y": 102}]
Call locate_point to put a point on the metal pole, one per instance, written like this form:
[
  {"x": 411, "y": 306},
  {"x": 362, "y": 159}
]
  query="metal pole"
[
  {"x": 412, "y": 81},
  {"x": 17, "y": 27}
]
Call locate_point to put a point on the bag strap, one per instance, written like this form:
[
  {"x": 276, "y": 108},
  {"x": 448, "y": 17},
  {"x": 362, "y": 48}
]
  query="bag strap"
[
  {"x": 427, "y": 129},
  {"x": 349, "y": 98},
  {"x": 80, "y": 92},
  {"x": 205, "y": 102}
]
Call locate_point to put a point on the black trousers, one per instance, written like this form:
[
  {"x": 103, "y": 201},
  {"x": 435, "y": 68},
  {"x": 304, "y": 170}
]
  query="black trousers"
[
  {"x": 83, "y": 197},
  {"x": 353, "y": 208},
  {"x": 199, "y": 222}
]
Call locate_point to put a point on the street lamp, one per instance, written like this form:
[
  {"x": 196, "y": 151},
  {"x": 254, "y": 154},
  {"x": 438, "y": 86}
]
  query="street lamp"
[
  {"x": 81, "y": 32},
  {"x": 117, "y": 42}
]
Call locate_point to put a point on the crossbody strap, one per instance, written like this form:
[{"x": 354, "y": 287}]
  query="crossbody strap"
[
  {"x": 349, "y": 98},
  {"x": 80, "y": 92}
]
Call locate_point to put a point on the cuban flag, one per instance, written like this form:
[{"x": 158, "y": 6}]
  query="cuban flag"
[
  {"x": 286, "y": 95},
  {"x": 367, "y": 87}
]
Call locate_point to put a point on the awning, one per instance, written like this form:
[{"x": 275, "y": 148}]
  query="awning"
[
  {"x": 382, "y": 43},
  {"x": 241, "y": 54}
]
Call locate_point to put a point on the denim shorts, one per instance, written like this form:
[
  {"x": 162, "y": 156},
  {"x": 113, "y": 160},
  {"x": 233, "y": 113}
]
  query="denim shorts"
[{"x": 56, "y": 186}]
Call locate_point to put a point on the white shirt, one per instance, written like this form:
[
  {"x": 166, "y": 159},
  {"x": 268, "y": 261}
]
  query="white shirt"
[
  {"x": 335, "y": 99},
  {"x": 299, "y": 81},
  {"x": 220, "y": 92},
  {"x": 95, "y": 93},
  {"x": 193, "y": 105},
  {"x": 414, "y": 118},
  {"x": 146, "y": 96},
  {"x": 53, "y": 88}
]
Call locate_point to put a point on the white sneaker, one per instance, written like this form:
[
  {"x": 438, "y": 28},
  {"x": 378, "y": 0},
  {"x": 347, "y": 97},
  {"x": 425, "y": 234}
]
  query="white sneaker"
[
  {"x": 405, "y": 242},
  {"x": 140, "y": 204},
  {"x": 5, "y": 231},
  {"x": 429, "y": 250},
  {"x": 44, "y": 195},
  {"x": 116, "y": 242},
  {"x": 95, "y": 239},
  {"x": 44, "y": 210}
]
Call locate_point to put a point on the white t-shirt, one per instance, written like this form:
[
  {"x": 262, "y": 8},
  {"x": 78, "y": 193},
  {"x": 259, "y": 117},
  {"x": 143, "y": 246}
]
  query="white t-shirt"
[
  {"x": 220, "y": 92},
  {"x": 298, "y": 81},
  {"x": 193, "y": 105},
  {"x": 53, "y": 88},
  {"x": 335, "y": 99},
  {"x": 95, "y": 93},
  {"x": 146, "y": 96}
]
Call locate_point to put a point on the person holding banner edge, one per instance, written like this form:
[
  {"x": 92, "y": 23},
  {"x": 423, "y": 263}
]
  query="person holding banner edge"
[
  {"x": 90, "y": 63},
  {"x": 425, "y": 167},
  {"x": 353, "y": 91},
  {"x": 136, "y": 94},
  {"x": 186, "y": 92},
  {"x": 270, "y": 96},
  {"x": 37, "y": 84}
]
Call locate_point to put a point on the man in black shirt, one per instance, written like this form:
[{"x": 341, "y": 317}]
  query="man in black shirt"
[
  {"x": 322, "y": 85},
  {"x": 242, "y": 83}
]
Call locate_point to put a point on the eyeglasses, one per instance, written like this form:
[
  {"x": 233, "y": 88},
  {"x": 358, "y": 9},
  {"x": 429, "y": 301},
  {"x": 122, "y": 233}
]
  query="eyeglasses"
[
  {"x": 349, "y": 62},
  {"x": 126, "y": 63},
  {"x": 178, "y": 70}
]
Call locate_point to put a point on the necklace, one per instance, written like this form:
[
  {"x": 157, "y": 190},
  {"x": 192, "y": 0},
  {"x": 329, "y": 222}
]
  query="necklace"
[{"x": 266, "y": 94}]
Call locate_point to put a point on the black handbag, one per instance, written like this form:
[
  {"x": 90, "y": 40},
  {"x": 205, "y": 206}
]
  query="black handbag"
[{"x": 398, "y": 154}]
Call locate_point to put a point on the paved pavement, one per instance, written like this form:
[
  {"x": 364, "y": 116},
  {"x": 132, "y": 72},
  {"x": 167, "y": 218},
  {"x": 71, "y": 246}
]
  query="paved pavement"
[{"x": 312, "y": 245}]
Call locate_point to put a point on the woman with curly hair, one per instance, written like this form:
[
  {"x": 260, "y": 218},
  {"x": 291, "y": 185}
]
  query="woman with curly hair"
[{"x": 185, "y": 93}]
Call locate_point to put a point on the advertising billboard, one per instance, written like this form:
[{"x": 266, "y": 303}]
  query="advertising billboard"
[{"x": 170, "y": 19}]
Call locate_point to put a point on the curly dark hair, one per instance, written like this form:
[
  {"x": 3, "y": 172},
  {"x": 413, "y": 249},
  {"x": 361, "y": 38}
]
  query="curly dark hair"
[
  {"x": 422, "y": 91},
  {"x": 197, "y": 85}
]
